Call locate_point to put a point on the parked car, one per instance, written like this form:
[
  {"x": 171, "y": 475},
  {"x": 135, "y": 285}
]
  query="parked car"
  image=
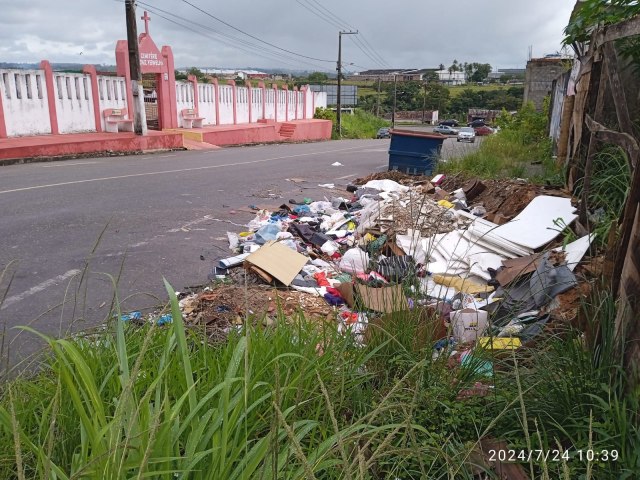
[
  {"x": 446, "y": 130},
  {"x": 384, "y": 132},
  {"x": 466, "y": 134},
  {"x": 484, "y": 130},
  {"x": 449, "y": 123},
  {"x": 477, "y": 123}
]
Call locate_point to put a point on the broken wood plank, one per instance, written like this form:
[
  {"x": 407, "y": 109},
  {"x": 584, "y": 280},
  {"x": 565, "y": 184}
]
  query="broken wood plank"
[
  {"x": 617, "y": 90},
  {"x": 611, "y": 33},
  {"x": 624, "y": 140}
]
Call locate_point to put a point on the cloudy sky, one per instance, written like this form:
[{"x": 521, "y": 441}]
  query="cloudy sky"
[{"x": 394, "y": 34}]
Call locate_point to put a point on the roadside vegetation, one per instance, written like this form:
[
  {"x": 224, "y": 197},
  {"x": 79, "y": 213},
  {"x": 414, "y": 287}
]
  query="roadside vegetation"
[
  {"x": 359, "y": 125},
  {"x": 521, "y": 148},
  {"x": 300, "y": 400}
]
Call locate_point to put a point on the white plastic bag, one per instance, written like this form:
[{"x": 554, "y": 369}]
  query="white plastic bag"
[{"x": 355, "y": 260}]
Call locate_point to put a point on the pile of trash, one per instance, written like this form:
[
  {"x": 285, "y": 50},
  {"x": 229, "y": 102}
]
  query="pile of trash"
[{"x": 489, "y": 271}]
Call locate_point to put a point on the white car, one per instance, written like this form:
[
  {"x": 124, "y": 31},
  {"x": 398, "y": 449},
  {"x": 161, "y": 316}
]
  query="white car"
[
  {"x": 466, "y": 134},
  {"x": 446, "y": 130}
]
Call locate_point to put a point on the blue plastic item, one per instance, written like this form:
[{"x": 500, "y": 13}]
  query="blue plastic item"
[
  {"x": 414, "y": 153},
  {"x": 267, "y": 233},
  {"x": 131, "y": 316},
  {"x": 165, "y": 319}
]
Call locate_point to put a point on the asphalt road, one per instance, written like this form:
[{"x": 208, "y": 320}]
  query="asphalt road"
[
  {"x": 69, "y": 229},
  {"x": 450, "y": 148}
]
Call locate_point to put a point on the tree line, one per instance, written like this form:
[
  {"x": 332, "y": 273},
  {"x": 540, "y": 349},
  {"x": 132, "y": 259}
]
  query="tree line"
[{"x": 412, "y": 96}]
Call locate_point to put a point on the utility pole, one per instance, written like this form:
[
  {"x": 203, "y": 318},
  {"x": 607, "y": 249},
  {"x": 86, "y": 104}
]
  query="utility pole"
[
  {"x": 378, "y": 100},
  {"x": 139, "y": 114},
  {"x": 424, "y": 102},
  {"x": 393, "y": 112},
  {"x": 339, "y": 100}
]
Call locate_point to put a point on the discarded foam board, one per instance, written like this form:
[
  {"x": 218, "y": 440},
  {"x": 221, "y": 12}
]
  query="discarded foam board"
[
  {"x": 576, "y": 250},
  {"x": 540, "y": 222},
  {"x": 279, "y": 261}
]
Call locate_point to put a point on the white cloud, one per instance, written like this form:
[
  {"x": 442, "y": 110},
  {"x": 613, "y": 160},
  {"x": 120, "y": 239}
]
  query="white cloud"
[{"x": 407, "y": 33}]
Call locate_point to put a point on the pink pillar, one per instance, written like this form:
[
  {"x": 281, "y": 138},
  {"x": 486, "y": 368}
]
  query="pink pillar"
[
  {"x": 51, "y": 96},
  {"x": 122, "y": 69},
  {"x": 305, "y": 89},
  {"x": 286, "y": 102},
  {"x": 168, "y": 104},
  {"x": 250, "y": 97},
  {"x": 234, "y": 97},
  {"x": 196, "y": 103},
  {"x": 295, "y": 89},
  {"x": 91, "y": 71},
  {"x": 275, "y": 102},
  {"x": 262, "y": 86},
  {"x": 3, "y": 124},
  {"x": 216, "y": 92}
]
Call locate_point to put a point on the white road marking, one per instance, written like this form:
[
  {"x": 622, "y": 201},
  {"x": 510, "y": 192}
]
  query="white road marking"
[
  {"x": 38, "y": 288},
  {"x": 68, "y": 164},
  {"x": 346, "y": 176},
  {"x": 139, "y": 244},
  {"x": 164, "y": 172}
]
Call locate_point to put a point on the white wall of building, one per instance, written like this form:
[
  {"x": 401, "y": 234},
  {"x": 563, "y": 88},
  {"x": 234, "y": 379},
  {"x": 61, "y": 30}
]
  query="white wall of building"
[
  {"x": 74, "y": 102},
  {"x": 291, "y": 105},
  {"x": 112, "y": 93},
  {"x": 242, "y": 104},
  {"x": 309, "y": 105},
  {"x": 207, "y": 103},
  {"x": 282, "y": 105},
  {"x": 300, "y": 109},
  {"x": 320, "y": 100},
  {"x": 184, "y": 98},
  {"x": 256, "y": 104},
  {"x": 451, "y": 78},
  {"x": 24, "y": 97},
  {"x": 226, "y": 105},
  {"x": 270, "y": 104}
]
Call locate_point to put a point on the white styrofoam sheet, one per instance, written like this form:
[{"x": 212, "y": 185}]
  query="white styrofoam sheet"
[
  {"x": 576, "y": 250},
  {"x": 534, "y": 227}
]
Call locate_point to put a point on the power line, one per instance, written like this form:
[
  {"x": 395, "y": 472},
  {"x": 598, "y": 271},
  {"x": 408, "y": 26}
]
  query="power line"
[
  {"x": 343, "y": 22},
  {"x": 267, "y": 56},
  {"x": 251, "y": 46},
  {"x": 364, "y": 39},
  {"x": 319, "y": 14},
  {"x": 330, "y": 18},
  {"x": 253, "y": 36}
]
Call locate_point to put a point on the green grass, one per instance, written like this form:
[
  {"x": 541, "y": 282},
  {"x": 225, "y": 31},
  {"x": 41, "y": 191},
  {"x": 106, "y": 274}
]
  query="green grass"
[
  {"x": 608, "y": 190},
  {"x": 520, "y": 149},
  {"x": 455, "y": 91},
  {"x": 301, "y": 401},
  {"x": 359, "y": 125}
]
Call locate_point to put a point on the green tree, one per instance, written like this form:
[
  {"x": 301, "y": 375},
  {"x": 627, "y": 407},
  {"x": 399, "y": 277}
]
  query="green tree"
[
  {"x": 480, "y": 72},
  {"x": 408, "y": 96},
  {"x": 318, "y": 77},
  {"x": 437, "y": 97}
]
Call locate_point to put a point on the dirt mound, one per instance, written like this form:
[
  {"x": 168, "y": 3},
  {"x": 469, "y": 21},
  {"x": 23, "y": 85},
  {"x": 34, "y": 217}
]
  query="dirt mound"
[{"x": 228, "y": 305}]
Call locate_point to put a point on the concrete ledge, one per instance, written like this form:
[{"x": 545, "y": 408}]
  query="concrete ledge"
[
  {"x": 261, "y": 132},
  {"x": 16, "y": 148}
]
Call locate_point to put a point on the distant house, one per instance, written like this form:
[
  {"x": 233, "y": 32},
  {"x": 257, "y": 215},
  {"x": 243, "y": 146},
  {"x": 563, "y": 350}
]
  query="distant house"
[
  {"x": 389, "y": 75},
  {"x": 451, "y": 78}
]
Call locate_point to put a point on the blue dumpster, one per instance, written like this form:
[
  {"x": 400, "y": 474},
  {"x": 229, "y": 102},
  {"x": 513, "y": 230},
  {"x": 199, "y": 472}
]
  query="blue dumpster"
[{"x": 415, "y": 153}]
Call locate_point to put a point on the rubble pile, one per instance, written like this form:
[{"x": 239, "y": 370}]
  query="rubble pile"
[{"x": 487, "y": 263}]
